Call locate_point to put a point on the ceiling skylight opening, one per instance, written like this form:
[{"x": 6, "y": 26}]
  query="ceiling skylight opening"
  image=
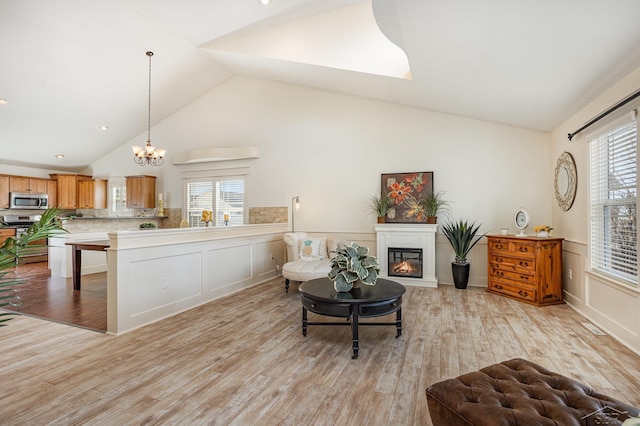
[
  {"x": 59, "y": 156},
  {"x": 347, "y": 38}
]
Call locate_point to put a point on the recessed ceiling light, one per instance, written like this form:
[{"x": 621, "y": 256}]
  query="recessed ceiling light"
[
  {"x": 103, "y": 128},
  {"x": 264, "y": 2},
  {"x": 3, "y": 101},
  {"x": 59, "y": 156}
]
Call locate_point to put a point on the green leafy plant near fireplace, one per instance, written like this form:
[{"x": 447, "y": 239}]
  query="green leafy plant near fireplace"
[
  {"x": 16, "y": 247},
  {"x": 462, "y": 237}
]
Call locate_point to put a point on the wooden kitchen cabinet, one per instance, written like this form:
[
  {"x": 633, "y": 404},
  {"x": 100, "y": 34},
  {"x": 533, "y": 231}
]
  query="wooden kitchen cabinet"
[
  {"x": 6, "y": 233},
  {"x": 27, "y": 184},
  {"x": 66, "y": 191},
  {"x": 141, "y": 192},
  {"x": 52, "y": 191},
  {"x": 92, "y": 194},
  {"x": 4, "y": 192},
  {"x": 528, "y": 269}
]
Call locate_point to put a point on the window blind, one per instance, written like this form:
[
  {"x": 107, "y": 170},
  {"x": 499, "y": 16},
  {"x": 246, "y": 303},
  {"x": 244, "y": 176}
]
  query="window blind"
[
  {"x": 613, "y": 192},
  {"x": 199, "y": 198},
  {"x": 224, "y": 196}
]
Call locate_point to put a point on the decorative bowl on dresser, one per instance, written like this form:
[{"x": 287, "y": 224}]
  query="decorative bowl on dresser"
[{"x": 528, "y": 269}]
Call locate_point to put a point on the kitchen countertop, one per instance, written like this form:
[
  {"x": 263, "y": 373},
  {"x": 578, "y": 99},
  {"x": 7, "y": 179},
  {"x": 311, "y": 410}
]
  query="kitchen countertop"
[{"x": 112, "y": 217}]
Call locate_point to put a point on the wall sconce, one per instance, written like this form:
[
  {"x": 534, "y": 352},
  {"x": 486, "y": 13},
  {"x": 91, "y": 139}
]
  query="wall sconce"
[{"x": 295, "y": 207}]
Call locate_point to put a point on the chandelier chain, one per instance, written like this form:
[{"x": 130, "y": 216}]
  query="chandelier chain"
[{"x": 149, "y": 54}]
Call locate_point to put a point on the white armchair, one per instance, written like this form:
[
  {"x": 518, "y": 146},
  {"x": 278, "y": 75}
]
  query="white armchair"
[{"x": 307, "y": 257}]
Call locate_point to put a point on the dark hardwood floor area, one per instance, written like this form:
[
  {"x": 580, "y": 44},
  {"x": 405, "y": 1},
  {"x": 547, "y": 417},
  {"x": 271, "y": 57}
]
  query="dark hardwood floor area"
[{"x": 53, "y": 298}]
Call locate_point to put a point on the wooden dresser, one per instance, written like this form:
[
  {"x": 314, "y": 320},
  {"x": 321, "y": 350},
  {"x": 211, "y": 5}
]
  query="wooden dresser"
[{"x": 525, "y": 268}]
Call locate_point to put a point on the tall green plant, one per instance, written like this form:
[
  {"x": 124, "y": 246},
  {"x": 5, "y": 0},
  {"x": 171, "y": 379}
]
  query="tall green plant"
[
  {"x": 380, "y": 205},
  {"x": 16, "y": 247},
  {"x": 461, "y": 236},
  {"x": 435, "y": 203}
]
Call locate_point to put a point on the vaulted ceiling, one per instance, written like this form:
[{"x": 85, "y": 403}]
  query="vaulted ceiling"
[{"x": 71, "y": 66}]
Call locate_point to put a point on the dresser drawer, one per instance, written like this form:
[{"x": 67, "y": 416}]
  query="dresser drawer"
[
  {"x": 512, "y": 290},
  {"x": 524, "y": 248},
  {"x": 501, "y": 246},
  {"x": 524, "y": 277},
  {"x": 512, "y": 264}
]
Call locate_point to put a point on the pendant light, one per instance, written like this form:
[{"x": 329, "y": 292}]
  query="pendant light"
[{"x": 149, "y": 155}]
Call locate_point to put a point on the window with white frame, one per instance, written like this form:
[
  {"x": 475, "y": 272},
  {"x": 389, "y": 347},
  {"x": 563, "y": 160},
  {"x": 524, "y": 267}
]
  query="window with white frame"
[
  {"x": 221, "y": 194},
  {"x": 613, "y": 154},
  {"x": 117, "y": 199}
]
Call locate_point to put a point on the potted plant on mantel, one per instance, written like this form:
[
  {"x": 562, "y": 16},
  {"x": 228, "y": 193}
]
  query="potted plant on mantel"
[
  {"x": 351, "y": 266},
  {"x": 380, "y": 205},
  {"x": 434, "y": 204},
  {"x": 461, "y": 236}
]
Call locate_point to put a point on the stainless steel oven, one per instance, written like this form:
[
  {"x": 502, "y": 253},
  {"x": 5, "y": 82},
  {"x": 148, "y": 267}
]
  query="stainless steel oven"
[
  {"x": 21, "y": 223},
  {"x": 28, "y": 201}
]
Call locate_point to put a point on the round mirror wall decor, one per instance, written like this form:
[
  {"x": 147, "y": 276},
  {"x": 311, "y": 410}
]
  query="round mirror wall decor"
[{"x": 566, "y": 181}]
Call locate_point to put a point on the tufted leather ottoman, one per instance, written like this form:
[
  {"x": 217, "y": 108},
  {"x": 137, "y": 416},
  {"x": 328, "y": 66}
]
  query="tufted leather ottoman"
[{"x": 519, "y": 392}]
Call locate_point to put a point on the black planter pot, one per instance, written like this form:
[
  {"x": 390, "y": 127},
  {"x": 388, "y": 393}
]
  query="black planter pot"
[{"x": 460, "y": 274}]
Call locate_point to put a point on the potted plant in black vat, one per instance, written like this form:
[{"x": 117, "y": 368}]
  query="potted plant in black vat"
[{"x": 461, "y": 236}]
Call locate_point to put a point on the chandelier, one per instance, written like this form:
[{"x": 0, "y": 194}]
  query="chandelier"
[{"x": 149, "y": 154}]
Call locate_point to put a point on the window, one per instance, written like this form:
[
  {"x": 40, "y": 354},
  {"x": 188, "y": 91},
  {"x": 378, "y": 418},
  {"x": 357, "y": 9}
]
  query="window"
[
  {"x": 613, "y": 200},
  {"x": 223, "y": 195},
  {"x": 118, "y": 198}
]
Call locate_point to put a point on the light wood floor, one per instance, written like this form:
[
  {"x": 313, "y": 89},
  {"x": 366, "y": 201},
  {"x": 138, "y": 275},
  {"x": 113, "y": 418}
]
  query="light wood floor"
[{"x": 242, "y": 360}]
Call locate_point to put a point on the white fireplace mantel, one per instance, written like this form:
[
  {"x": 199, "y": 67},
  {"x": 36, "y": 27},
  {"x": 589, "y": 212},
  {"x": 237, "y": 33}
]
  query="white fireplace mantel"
[{"x": 408, "y": 235}]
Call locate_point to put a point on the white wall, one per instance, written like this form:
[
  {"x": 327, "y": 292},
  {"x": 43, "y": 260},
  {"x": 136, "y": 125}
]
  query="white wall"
[
  {"x": 611, "y": 306},
  {"x": 331, "y": 149}
]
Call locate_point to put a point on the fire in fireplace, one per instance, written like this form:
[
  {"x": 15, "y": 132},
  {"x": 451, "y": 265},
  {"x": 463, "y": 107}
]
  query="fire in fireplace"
[{"x": 404, "y": 262}]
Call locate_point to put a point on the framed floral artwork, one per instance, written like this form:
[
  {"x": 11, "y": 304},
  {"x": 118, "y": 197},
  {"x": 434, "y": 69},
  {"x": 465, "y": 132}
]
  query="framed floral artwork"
[{"x": 406, "y": 191}]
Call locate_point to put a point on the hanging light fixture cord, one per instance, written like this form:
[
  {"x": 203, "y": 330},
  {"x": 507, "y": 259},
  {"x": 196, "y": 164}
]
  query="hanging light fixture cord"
[
  {"x": 149, "y": 54},
  {"x": 149, "y": 154}
]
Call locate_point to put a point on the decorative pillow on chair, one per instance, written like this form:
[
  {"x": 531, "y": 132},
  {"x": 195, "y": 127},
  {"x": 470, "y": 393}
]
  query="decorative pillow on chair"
[{"x": 312, "y": 248}]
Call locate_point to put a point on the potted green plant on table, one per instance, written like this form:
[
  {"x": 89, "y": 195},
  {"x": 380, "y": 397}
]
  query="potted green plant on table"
[
  {"x": 380, "y": 205},
  {"x": 462, "y": 237},
  {"x": 351, "y": 265},
  {"x": 434, "y": 204},
  {"x": 13, "y": 249}
]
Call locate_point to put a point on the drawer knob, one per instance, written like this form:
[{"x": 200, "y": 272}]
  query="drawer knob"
[
  {"x": 523, "y": 293},
  {"x": 500, "y": 274},
  {"x": 499, "y": 246},
  {"x": 524, "y": 249},
  {"x": 524, "y": 277},
  {"x": 498, "y": 286},
  {"x": 524, "y": 264}
]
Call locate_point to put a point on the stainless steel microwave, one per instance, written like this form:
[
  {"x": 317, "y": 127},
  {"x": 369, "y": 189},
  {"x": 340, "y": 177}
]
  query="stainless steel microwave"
[{"x": 28, "y": 201}]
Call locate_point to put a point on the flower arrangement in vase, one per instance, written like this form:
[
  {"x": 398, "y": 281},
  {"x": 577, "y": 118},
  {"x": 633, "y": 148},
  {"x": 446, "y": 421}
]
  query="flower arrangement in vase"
[{"x": 542, "y": 230}]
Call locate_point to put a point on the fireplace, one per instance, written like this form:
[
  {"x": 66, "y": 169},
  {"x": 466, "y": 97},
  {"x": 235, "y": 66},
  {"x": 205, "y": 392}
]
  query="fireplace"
[
  {"x": 404, "y": 262},
  {"x": 406, "y": 253}
]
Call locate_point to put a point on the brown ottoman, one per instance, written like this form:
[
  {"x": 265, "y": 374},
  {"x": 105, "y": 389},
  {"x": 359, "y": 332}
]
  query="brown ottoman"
[{"x": 519, "y": 392}]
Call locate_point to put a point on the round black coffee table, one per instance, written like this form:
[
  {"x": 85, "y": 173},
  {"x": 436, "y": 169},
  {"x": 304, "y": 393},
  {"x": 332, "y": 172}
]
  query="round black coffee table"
[{"x": 320, "y": 297}]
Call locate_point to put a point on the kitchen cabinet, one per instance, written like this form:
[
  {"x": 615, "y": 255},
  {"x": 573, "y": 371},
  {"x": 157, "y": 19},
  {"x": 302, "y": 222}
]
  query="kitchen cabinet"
[
  {"x": 27, "y": 184},
  {"x": 6, "y": 233},
  {"x": 528, "y": 269},
  {"x": 52, "y": 191},
  {"x": 66, "y": 191},
  {"x": 92, "y": 194},
  {"x": 141, "y": 192},
  {"x": 4, "y": 192}
]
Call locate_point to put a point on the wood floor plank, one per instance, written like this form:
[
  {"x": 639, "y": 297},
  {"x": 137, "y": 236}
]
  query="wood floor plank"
[{"x": 243, "y": 360}]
